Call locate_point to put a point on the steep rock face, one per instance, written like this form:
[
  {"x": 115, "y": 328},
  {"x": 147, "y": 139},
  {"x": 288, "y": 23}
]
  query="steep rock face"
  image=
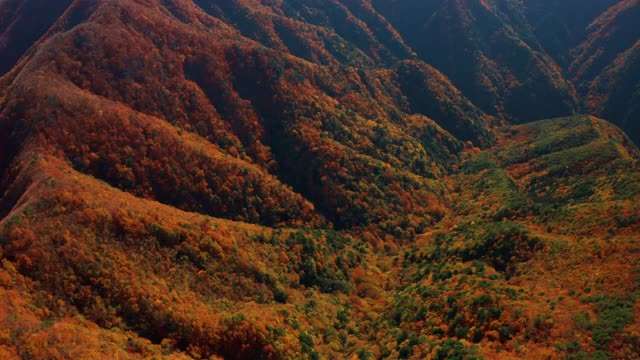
[{"x": 488, "y": 51}]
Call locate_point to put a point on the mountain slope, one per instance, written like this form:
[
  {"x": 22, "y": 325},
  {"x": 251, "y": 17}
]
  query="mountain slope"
[
  {"x": 614, "y": 93},
  {"x": 610, "y": 34},
  {"x": 596, "y": 42},
  {"x": 489, "y": 52},
  {"x": 173, "y": 70},
  {"x": 561, "y": 25},
  {"x": 197, "y": 286},
  {"x": 251, "y": 179},
  {"x": 22, "y": 23},
  {"x": 610, "y": 75}
]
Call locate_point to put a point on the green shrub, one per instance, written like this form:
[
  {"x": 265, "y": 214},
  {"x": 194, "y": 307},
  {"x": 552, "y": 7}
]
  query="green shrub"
[{"x": 454, "y": 350}]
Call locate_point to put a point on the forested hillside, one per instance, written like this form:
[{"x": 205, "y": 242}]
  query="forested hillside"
[{"x": 276, "y": 179}]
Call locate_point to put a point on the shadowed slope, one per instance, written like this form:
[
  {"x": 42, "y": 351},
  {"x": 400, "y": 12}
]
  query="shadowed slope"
[
  {"x": 489, "y": 52},
  {"x": 561, "y": 25},
  {"x": 22, "y": 23}
]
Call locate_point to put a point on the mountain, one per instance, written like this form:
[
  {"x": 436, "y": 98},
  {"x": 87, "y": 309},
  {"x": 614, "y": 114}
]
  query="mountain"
[
  {"x": 560, "y": 26},
  {"x": 596, "y": 42},
  {"x": 277, "y": 179},
  {"x": 611, "y": 75},
  {"x": 22, "y": 24},
  {"x": 488, "y": 51}
]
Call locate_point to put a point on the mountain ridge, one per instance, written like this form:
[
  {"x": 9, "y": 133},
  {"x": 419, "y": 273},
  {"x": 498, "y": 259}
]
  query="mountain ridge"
[{"x": 274, "y": 179}]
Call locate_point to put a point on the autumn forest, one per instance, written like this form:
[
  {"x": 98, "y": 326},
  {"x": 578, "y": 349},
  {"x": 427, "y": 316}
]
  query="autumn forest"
[{"x": 320, "y": 179}]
